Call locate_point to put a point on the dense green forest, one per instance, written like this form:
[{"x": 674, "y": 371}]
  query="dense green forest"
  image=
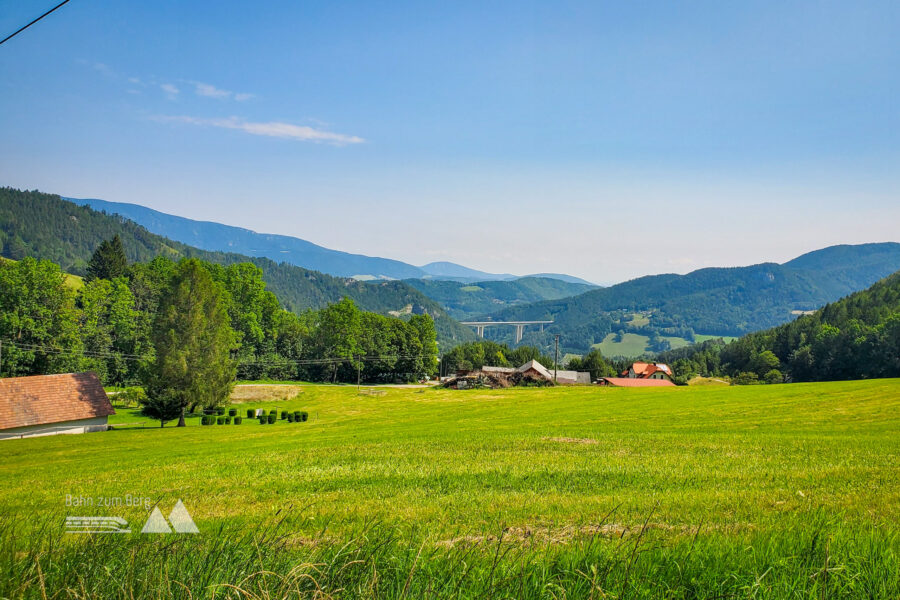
[
  {"x": 467, "y": 300},
  {"x": 108, "y": 324},
  {"x": 857, "y": 337},
  {"x": 716, "y": 301},
  {"x": 45, "y": 226}
]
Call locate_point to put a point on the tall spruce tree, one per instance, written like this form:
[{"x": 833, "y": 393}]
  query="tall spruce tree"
[
  {"x": 109, "y": 260},
  {"x": 193, "y": 340}
]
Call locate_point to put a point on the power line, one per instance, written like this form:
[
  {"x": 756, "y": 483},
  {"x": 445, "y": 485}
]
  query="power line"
[{"x": 15, "y": 33}]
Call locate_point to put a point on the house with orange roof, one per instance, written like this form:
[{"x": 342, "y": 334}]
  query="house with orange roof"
[
  {"x": 644, "y": 370},
  {"x": 632, "y": 382}
]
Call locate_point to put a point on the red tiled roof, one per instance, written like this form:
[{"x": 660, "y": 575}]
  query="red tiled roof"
[
  {"x": 634, "y": 382},
  {"x": 644, "y": 370},
  {"x": 44, "y": 399}
]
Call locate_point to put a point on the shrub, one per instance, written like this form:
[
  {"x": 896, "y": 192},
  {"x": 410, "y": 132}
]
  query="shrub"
[
  {"x": 774, "y": 376},
  {"x": 263, "y": 420},
  {"x": 304, "y": 415},
  {"x": 284, "y": 415},
  {"x": 251, "y": 412},
  {"x": 204, "y": 420},
  {"x": 220, "y": 411},
  {"x": 290, "y": 417},
  {"x": 297, "y": 416},
  {"x": 131, "y": 395},
  {"x": 271, "y": 417},
  {"x": 220, "y": 420},
  {"x": 746, "y": 378},
  {"x": 232, "y": 412},
  {"x": 209, "y": 411},
  {"x": 228, "y": 420},
  {"x": 238, "y": 420}
]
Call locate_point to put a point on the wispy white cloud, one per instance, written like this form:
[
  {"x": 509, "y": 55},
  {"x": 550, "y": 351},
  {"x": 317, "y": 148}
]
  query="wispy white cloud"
[
  {"x": 274, "y": 129},
  {"x": 170, "y": 90},
  {"x": 208, "y": 90}
]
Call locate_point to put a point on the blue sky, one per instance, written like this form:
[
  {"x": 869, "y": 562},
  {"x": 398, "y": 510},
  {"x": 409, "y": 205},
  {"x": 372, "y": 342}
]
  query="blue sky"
[{"x": 603, "y": 139}]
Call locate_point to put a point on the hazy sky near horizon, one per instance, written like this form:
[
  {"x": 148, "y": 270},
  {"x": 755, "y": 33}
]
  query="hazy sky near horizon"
[{"x": 606, "y": 140}]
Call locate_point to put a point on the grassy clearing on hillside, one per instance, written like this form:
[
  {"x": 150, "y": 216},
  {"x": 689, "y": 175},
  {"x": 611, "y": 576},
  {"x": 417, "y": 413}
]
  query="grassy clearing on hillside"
[
  {"x": 633, "y": 344},
  {"x": 698, "y": 338},
  {"x": 768, "y": 492}
]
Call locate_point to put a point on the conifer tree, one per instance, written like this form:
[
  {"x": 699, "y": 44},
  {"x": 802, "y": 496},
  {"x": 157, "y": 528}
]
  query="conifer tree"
[
  {"x": 109, "y": 260},
  {"x": 193, "y": 339}
]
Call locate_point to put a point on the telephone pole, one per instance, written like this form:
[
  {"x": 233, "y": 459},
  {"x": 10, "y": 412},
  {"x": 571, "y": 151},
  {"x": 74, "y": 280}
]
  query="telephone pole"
[{"x": 556, "y": 361}]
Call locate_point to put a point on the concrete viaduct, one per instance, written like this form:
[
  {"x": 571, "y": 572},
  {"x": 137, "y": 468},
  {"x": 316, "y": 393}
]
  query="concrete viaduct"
[{"x": 519, "y": 325}]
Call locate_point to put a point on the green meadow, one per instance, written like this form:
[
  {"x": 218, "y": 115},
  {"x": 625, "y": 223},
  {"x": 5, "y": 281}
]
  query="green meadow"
[{"x": 758, "y": 491}]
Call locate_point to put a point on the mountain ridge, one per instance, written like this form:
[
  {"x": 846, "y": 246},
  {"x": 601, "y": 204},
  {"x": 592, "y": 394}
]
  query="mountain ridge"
[
  {"x": 218, "y": 237},
  {"x": 47, "y": 226},
  {"x": 728, "y": 301}
]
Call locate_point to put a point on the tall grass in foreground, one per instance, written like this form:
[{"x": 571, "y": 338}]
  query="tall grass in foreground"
[{"x": 816, "y": 558}]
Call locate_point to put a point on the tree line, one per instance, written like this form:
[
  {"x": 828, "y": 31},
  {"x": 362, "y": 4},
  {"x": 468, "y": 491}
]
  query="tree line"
[
  {"x": 857, "y": 337},
  {"x": 167, "y": 324}
]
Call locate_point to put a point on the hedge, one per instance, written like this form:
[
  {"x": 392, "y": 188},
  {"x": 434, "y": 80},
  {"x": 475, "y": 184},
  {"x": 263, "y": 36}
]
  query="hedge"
[
  {"x": 220, "y": 420},
  {"x": 251, "y": 412},
  {"x": 238, "y": 420},
  {"x": 271, "y": 417},
  {"x": 232, "y": 412}
]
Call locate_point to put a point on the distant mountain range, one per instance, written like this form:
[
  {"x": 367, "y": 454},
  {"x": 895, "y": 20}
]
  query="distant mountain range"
[
  {"x": 46, "y": 226},
  {"x": 714, "y": 301},
  {"x": 216, "y": 237},
  {"x": 467, "y": 300},
  {"x": 658, "y": 309}
]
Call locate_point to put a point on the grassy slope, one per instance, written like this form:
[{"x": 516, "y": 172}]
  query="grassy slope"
[
  {"x": 633, "y": 344},
  {"x": 782, "y": 482},
  {"x": 479, "y": 460}
]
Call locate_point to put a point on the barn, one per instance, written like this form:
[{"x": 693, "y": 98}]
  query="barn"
[{"x": 52, "y": 404}]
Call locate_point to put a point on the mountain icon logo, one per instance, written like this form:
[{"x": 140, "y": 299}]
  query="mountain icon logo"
[{"x": 180, "y": 519}]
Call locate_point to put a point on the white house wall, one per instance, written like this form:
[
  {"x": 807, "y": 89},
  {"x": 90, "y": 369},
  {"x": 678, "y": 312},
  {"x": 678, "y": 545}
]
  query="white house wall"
[{"x": 65, "y": 427}]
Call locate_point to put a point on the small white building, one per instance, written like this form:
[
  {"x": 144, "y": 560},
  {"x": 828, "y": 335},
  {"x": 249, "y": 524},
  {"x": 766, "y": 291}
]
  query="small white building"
[{"x": 52, "y": 404}]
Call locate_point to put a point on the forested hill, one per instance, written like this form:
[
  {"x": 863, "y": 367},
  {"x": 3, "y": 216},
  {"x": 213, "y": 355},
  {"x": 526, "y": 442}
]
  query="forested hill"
[
  {"x": 715, "y": 301},
  {"x": 857, "y": 337},
  {"x": 467, "y": 300},
  {"x": 45, "y": 226}
]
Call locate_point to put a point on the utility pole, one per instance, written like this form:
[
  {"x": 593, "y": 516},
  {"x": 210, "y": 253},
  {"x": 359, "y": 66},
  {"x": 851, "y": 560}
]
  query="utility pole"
[{"x": 556, "y": 361}]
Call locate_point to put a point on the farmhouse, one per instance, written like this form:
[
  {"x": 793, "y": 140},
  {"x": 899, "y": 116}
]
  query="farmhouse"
[
  {"x": 52, "y": 404},
  {"x": 505, "y": 376},
  {"x": 634, "y": 382},
  {"x": 643, "y": 370}
]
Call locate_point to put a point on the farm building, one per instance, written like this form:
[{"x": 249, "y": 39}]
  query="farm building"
[
  {"x": 643, "y": 370},
  {"x": 634, "y": 382},
  {"x": 505, "y": 376},
  {"x": 52, "y": 404}
]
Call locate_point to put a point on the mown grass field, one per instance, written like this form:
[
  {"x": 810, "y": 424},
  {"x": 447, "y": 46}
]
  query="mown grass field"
[{"x": 760, "y": 491}]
